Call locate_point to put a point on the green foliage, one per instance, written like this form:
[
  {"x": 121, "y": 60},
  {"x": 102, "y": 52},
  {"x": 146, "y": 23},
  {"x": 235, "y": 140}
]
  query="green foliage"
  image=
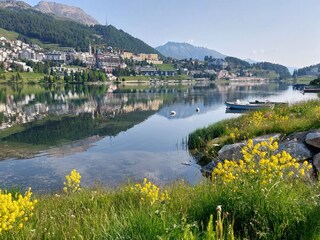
[
  {"x": 315, "y": 82},
  {"x": 236, "y": 63},
  {"x": 261, "y": 69},
  {"x": 120, "y": 39},
  {"x": 201, "y": 137},
  {"x": 35, "y": 25},
  {"x": 304, "y": 71},
  {"x": 285, "y": 210},
  {"x": 84, "y": 76},
  {"x": 279, "y": 69}
]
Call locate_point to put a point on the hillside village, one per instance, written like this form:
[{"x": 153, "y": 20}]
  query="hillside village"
[{"x": 15, "y": 54}]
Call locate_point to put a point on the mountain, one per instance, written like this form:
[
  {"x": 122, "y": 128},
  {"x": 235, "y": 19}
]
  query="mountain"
[
  {"x": 33, "y": 25},
  {"x": 65, "y": 11},
  {"x": 186, "y": 50},
  {"x": 14, "y": 4}
]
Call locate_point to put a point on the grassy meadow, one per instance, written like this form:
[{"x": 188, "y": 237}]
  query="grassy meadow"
[{"x": 244, "y": 209}]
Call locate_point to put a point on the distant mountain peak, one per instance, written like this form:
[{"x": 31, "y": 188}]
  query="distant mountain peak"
[
  {"x": 186, "y": 50},
  {"x": 14, "y": 4},
  {"x": 65, "y": 11}
]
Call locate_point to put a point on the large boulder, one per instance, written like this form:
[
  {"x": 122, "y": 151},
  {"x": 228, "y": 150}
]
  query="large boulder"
[
  {"x": 233, "y": 151},
  {"x": 313, "y": 139},
  {"x": 296, "y": 149}
]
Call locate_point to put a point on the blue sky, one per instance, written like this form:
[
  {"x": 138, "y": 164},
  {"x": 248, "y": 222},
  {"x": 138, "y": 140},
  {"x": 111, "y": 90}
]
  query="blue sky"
[{"x": 279, "y": 31}]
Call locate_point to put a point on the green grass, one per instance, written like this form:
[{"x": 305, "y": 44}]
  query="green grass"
[
  {"x": 8, "y": 34},
  {"x": 165, "y": 67},
  {"x": 283, "y": 119},
  {"x": 25, "y": 77},
  {"x": 134, "y": 78},
  {"x": 301, "y": 80},
  {"x": 281, "y": 211}
]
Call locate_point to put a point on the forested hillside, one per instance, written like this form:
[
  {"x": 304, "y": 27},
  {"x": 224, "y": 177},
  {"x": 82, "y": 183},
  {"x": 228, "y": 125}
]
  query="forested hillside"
[
  {"x": 304, "y": 71},
  {"x": 279, "y": 69},
  {"x": 238, "y": 64},
  {"x": 35, "y": 25}
]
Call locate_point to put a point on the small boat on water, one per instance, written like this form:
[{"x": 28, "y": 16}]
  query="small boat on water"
[{"x": 248, "y": 106}]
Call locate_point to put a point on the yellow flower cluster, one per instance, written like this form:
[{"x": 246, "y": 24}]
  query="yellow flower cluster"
[
  {"x": 257, "y": 118},
  {"x": 261, "y": 163},
  {"x": 260, "y": 118},
  {"x": 150, "y": 193},
  {"x": 15, "y": 210},
  {"x": 72, "y": 184}
]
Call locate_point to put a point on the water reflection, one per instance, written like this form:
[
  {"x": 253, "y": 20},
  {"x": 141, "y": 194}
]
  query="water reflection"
[{"x": 111, "y": 133}]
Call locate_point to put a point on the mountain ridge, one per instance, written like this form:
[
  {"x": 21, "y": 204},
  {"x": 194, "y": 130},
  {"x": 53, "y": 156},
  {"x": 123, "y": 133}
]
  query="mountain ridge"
[
  {"x": 14, "y": 4},
  {"x": 185, "y": 50},
  {"x": 31, "y": 24},
  {"x": 55, "y": 9},
  {"x": 66, "y": 11}
]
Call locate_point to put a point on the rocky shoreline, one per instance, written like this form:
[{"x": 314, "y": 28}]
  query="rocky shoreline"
[{"x": 303, "y": 146}]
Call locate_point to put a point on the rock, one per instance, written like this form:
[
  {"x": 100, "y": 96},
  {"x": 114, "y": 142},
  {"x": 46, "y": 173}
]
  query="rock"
[
  {"x": 298, "y": 137},
  {"x": 231, "y": 152},
  {"x": 276, "y": 137},
  {"x": 208, "y": 169},
  {"x": 313, "y": 139},
  {"x": 296, "y": 149},
  {"x": 64, "y": 11}
]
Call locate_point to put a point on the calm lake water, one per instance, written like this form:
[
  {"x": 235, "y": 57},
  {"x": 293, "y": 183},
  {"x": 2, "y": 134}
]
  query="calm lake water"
[{"x": 112, "y": 134}]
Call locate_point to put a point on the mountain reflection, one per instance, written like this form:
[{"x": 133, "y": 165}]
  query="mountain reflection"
[{"x": 34, "y": 118}]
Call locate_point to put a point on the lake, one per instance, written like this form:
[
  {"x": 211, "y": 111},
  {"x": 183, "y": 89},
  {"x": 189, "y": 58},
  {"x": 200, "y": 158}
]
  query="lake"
[{"x": 112, "y": 134}]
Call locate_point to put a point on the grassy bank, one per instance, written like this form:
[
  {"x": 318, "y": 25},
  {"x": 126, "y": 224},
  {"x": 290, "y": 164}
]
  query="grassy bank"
[
  {"x": 23, "y": 77},
  {"x": 245, "y": 209},
  {"x": 282, "y": 119}
]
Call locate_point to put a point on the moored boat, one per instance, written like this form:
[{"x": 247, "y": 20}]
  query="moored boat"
[{"x": 248, "y": 106}]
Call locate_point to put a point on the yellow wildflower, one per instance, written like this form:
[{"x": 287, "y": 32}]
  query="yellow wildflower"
[{"x": 72, "y": 184}]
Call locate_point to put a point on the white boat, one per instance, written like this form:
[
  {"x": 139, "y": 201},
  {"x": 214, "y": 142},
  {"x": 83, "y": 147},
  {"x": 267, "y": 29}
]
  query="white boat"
[{"x": 248, "y": 106}]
